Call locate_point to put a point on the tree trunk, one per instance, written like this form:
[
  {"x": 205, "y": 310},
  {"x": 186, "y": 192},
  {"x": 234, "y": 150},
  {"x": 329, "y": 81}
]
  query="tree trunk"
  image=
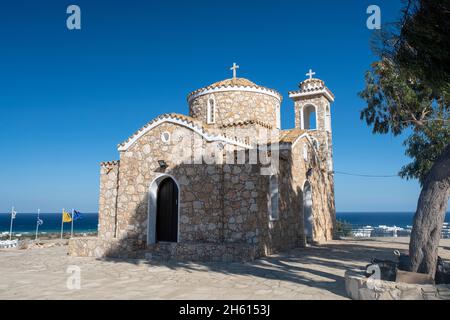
[{"x": 430, "y": 215}]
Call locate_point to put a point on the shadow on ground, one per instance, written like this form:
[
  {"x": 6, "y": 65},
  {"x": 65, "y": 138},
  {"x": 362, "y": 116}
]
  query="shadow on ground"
[{"x": 321, "y": 266}]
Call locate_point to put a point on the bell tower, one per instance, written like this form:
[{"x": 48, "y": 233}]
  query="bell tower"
[{"x": 312, "y": 104}]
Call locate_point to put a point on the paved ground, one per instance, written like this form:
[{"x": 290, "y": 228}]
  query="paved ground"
[{"x": 311, "y": 273}]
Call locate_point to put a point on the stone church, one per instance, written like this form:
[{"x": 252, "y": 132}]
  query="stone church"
[{"x": 224, "y": 183}]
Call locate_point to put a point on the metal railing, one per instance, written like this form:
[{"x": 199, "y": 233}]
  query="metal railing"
[{"x": 347, "y": 230}]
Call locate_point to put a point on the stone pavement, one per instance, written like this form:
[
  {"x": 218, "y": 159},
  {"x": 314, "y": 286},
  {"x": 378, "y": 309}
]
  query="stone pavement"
[{"x": 312, "y": 273}]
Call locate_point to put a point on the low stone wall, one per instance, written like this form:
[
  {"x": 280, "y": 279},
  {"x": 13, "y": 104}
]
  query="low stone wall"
[
  {"x": 204, "y": 252},
  {"x": 189, "y": 251},
  {"x": 105, "y": 248},
  {"x": 359, "y": 287}
]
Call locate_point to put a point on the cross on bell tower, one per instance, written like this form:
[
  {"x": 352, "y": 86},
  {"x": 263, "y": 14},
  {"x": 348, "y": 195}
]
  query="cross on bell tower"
[
  {"x": 310, "y": 74},
  {"x": 234, "y": 68}
]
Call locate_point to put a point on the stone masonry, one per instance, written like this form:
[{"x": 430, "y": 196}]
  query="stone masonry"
[{"x": 225, "y": 205}]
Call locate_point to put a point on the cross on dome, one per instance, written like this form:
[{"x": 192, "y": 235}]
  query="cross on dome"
[
  {"x": 234, "y": 68},
  {"x": 310, "y": 74}
]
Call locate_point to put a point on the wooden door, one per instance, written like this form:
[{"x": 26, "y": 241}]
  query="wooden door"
[{"x": 167, "y": 211}]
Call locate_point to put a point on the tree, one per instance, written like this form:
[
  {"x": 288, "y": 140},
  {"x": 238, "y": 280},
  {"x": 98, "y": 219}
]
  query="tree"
[{"x": 407, "y": 91}]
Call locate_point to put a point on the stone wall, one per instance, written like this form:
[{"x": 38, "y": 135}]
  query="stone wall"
[
  {"x": 203, "y": 252},
  {"x": 322, "y": 186},
  {"x": 200, "y": 185},
  {"x": 288, "y": 230},
  {"x": 109, "y": 183},
  {"x": 105, "y": 248},
  {"x": 244, "y": 198},
  {"x": 186, "y": 251},
  {"x": 250, "y": 133},
  {"x": 359, "y": 287},
  {"x": 285, "y": 232},
  {"x": 220, "y": 204},
  {"x": 234, "y": 106}
]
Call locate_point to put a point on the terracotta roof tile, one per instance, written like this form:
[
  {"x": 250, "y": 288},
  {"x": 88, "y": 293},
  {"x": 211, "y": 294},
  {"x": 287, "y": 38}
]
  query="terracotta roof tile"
[
  {"x": 247, "y": 122},
  {"x": 109, "y": 163},
  {"x": 188, "y": 120},
  {"x": 312, "y": 86},
  {"x": 233, "y": 82},
  {"x": 290, "y": 136}
]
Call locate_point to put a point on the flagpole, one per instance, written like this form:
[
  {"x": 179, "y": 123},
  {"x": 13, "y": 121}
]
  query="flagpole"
[
  {"x": 37, "y": 224},
  {"x": 62, "y": 223},
  {"x": 71, "y": 231},
  {"x": 10, "y": 228}
]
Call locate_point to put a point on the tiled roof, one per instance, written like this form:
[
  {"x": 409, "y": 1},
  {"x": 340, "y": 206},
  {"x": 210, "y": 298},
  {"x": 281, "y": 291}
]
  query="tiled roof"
[
  {"x": 312, "y": 87},
  {"x": 186, "y": 120},
  {"x": 110, "y": 163},
  {"x": 247, "y": 122},
  {"x": 234, "y": 83},
  {"x": 290, "y": 136}
]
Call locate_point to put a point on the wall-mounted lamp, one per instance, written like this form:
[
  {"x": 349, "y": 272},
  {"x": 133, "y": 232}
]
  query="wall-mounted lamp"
[{"x": 162, "y": 164}]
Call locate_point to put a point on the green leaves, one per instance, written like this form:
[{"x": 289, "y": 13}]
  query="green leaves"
[
  {"x": 408, "y": 88},
  {"x": 424, "y": 147}
]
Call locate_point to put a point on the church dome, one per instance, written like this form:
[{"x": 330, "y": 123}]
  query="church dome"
[
  {"x": 311, "y": 84},
  {"x": 240, "y": 82},
  {"x": 233, "y": 101},
  {"x": 233, "y": 84},
  {"x": 311, "y": 87}
]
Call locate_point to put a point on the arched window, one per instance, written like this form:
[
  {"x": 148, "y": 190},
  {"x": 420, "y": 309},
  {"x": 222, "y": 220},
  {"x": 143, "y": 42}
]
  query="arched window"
[
  {"x": 307, "y": 212},
  {"x": 309, "y": 117},
  {"x": 278, "y": 116},
  {"x": 274, "y": 198},
  {"x": 328, "y": 119},
  {"x": 316, "y": 144},
  {"x": 329, "y": 159},
  {"x": 211, "y": 113}
]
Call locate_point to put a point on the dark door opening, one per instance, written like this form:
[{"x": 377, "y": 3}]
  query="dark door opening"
[
  {"x": 167, "y": 211},
  {"x": 307, "y": 213}
]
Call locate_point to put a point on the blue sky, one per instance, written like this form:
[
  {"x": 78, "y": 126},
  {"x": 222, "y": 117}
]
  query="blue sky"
[{"x": 67, "y": 98}]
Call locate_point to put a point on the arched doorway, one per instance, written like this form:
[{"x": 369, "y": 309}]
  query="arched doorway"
[
  {"x": 307, "y": 212},
  {"x": 167, "y": 211},
  {"x": 163, "y": 215}
]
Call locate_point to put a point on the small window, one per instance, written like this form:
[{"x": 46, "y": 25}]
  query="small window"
[
  {"x": 165, "y": 137},
  {"x": 305, "y": 152},
  {"x": 211, "y": 114},
  {"x": 274, "y": 198}
]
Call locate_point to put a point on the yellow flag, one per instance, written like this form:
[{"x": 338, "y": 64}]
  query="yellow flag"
[{"x": 67, "y": 217}]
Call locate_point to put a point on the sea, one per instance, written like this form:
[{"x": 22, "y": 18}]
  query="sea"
[
  {"x": 374, "y": 219},
  {"x": 25, "y": 223}
]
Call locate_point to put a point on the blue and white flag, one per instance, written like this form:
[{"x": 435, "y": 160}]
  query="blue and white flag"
[
  {"x": 40, "y": 222},
  {"x": 77, "y": 215},
  {"x": 13, "y": 214}
]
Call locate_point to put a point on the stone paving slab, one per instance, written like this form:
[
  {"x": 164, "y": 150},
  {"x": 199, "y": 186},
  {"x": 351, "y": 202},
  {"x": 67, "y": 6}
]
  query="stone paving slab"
[{"x": 311, "y": 273}]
